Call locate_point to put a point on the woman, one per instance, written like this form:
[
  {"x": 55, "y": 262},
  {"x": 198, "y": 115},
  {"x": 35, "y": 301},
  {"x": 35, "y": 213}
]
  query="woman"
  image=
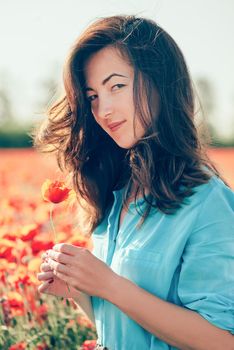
[{"x": 161, "y": 272}]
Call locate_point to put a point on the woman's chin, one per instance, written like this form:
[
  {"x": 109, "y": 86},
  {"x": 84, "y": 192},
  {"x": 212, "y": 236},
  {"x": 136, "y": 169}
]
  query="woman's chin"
[{"x": 125, "y": 144}]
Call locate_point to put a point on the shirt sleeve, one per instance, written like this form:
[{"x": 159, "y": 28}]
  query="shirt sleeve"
[{"x": 206, "y": 282}]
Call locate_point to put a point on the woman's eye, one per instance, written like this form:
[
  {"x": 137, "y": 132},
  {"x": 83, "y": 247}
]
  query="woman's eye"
[
  {"x": 114, "y": 87},
  {"x": 91, "y": 98},
  {"x": 119, "y": 86}
]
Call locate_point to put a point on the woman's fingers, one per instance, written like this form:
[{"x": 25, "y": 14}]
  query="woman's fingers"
[
  {"x": 43, "y": 287},
  {"x": 45, "y": 276},
  {"x": 45, "y": 267},
  {"x": 44, "y": 256},
  {"x": 57, "y": 267},
  {"x": 59, "y": 257}
]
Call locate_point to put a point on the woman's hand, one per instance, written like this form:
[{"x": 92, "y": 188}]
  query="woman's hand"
[
  {"x": 52, "y": 284},
  {"x": 80, "y": 269}
]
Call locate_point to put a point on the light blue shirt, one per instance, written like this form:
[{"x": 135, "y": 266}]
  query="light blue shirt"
[{"x": 186, "y": 259}]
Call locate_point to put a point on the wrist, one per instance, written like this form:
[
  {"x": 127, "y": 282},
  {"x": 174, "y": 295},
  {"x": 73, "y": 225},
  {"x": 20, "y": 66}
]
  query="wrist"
[
  {"x": 116, "y": 287},
  {"x": 73, "y": 293}
]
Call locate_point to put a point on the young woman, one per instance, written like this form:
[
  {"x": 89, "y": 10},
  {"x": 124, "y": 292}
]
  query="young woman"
[{"x": 161, "y": 274}]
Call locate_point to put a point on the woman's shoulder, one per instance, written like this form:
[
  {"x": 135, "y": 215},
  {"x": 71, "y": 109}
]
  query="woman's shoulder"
[
  {"x": 209, "y": 201},
  {"x": 213, "y": 202},
  {"x": 216, "y": 189},
  {"x": 214, "y": 186}
]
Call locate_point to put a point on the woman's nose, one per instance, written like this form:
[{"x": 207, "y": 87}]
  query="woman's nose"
[{"x": 104, "y": 108}]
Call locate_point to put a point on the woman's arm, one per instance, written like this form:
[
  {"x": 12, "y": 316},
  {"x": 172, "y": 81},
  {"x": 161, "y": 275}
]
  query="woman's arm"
[
  {"x": 177, "y": 326},
  {"x": 84, "y": 302}
]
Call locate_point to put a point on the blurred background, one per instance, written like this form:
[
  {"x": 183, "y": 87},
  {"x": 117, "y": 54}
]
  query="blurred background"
[{"x": 35, "y": 37}]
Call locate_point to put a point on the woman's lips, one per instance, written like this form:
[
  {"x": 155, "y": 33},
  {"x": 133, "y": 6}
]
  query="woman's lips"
[{"x": 115, "y": 126}]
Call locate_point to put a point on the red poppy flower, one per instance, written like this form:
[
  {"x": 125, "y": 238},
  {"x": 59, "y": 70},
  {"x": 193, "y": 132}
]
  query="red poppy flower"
[
  {"x": 28, "y": 232},
  {"x": 42, "y": 310},
  {"x": 38, "y": 246},
  {"x": 22, "y": 280},
  {"x": 42, "y": 346},
  {"x": 7, "y": 253},
  {"x": 11, "y": 236},
  {"x": 55, "y": 192},
  {"x": 80, "y": 242},
  {"x": 18, "y": 346},
  {"x": 16, "y": 303},
  {"x": 89, "y": 345},
  {"x": 84, "y": 321}
]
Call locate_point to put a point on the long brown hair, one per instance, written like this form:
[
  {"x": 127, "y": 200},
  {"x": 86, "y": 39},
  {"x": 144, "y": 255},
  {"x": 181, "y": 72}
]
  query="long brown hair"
[{"x": 169, "y": 161}]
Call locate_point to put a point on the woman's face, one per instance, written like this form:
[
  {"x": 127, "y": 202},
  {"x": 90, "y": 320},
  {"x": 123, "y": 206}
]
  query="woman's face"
[{"x": 109, "y": 88}]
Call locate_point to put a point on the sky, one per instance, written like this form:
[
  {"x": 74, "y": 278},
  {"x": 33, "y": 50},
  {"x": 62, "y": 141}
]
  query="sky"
[{"x": 35, "y": 37}]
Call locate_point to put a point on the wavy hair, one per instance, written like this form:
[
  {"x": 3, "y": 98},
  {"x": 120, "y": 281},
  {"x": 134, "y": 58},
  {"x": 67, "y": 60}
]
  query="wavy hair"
[{"x": 169, "y": 161}]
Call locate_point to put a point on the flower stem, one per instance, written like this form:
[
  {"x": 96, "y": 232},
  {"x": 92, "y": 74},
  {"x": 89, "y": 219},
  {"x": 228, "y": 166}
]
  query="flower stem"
[
  {"x": 55, "y": 234},
  {"x": 52, "y": 224}
]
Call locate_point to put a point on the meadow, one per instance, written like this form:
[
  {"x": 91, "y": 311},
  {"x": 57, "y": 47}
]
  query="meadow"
[{"x": 30, "y": 320}]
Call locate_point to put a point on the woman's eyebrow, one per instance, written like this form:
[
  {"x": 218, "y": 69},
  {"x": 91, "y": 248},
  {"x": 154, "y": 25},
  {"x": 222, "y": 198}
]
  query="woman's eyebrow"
[{"x": 107, "y": 79}]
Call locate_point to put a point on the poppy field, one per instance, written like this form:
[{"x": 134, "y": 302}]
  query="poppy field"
[{"x": 28, "y": 319}]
